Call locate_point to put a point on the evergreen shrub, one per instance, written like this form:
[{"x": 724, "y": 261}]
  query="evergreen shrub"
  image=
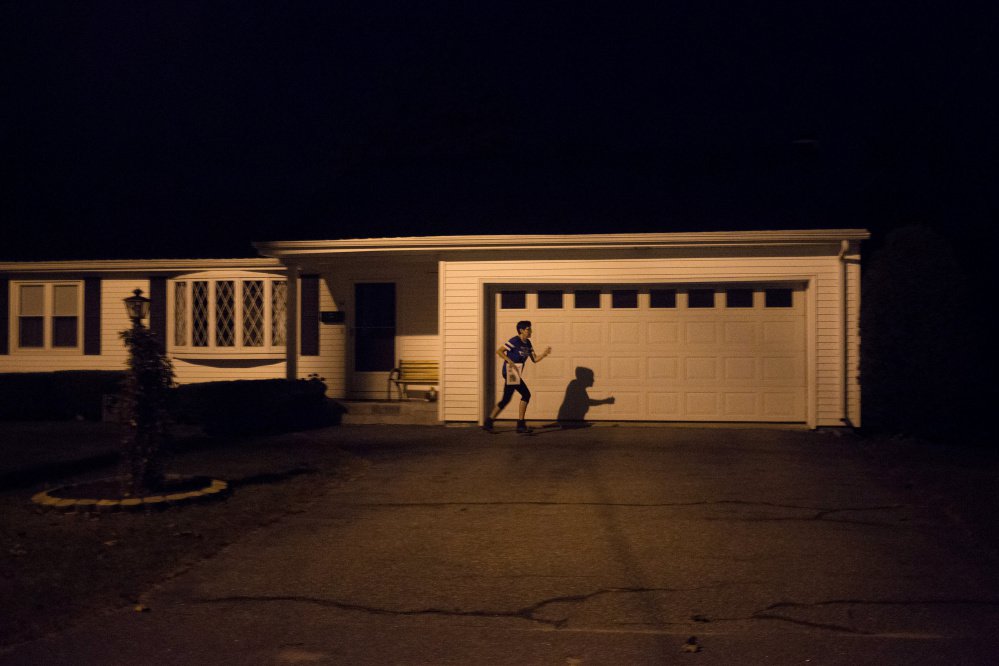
[
  {"x": 256, "y": 406},
  {"x": 56, "y": 396}
]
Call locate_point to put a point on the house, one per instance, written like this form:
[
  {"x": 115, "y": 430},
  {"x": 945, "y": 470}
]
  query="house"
[{"x": 757, "y": 326}]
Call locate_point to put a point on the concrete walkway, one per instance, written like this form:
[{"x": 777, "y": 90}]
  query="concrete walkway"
[{"x": 607, "y": 545}]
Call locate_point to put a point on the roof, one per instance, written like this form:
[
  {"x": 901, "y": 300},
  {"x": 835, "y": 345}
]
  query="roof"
[
  {"x": 148, "y": 266},
  {"x": 280, "y": 249},
  {"x": 274, "y": 251}
]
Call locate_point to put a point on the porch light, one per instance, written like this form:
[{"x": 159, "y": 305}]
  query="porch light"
[{"x": 137, "y": 306}]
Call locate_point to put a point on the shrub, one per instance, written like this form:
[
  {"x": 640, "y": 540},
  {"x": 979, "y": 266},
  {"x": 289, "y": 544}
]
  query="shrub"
[
  {"x": 921, "y": 352},
  {"x": 143, "y": 410},
  {"x": 257, "y": 406},
  {"x": 56, "y": 396}
]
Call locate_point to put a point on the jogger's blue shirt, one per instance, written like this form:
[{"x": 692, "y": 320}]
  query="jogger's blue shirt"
[{"x": 518, "y": 350}]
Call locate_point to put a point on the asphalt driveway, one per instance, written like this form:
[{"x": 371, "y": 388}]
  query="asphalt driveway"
[{"x": 606, "y": 545}]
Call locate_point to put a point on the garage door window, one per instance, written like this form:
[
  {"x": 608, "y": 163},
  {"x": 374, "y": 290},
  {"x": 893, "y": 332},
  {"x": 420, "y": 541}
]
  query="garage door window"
[
  {"x": 779, "y": 298},
  {"x": 662, "y": 298},
  {"x": 624, "y": 298},
  {"x": 549, "y": 299},
  {"x": 739, "y": 298},
  {"x": 513, "y": 300},
  {"x": 701, "y": 298},
  {"x": 588, "y": 298}
]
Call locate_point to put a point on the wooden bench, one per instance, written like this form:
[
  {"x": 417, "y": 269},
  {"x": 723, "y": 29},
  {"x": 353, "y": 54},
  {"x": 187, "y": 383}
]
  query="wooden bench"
[{"x": 414, "y": 372}]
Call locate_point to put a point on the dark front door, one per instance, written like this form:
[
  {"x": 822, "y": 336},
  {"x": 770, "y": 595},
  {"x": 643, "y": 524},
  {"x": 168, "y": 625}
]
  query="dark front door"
[{"x": 374, "y": 327}]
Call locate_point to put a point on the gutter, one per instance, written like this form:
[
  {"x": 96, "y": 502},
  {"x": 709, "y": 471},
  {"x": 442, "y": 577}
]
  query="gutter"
[{"x": 844, "y": 247}]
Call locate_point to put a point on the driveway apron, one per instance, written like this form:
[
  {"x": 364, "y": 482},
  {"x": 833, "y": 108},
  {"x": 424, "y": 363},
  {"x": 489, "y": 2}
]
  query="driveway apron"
[{"x": 603, "y": 545}]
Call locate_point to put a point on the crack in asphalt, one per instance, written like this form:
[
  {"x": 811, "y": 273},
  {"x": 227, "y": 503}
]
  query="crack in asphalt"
[
  {"x": 767, "y": 614},
  {"x": 823, "y": 514},
  {"x": 528, "y": 613},
  {"x": 531, "y": 613}
]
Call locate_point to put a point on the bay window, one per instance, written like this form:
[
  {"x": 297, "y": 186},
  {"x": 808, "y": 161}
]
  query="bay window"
[{"x": 229, "y": 314}]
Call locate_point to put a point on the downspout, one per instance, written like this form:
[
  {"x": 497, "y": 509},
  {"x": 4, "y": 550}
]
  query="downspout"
[
  {"x": 844, "y": 247},
  {"x": 291, "y": 324}
]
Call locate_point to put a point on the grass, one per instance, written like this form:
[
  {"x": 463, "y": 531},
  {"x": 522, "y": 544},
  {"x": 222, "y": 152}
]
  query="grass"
[{"x": 58, "y": 567}]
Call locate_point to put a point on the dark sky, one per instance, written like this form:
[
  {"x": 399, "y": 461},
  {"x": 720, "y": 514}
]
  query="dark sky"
[{"x": 162, "y": 129}]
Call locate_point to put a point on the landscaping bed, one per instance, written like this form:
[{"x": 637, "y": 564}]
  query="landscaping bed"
[{"x": 58, "y": 567}]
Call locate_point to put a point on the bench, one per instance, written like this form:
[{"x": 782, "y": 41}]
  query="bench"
[{"x": 413, "y": 372}]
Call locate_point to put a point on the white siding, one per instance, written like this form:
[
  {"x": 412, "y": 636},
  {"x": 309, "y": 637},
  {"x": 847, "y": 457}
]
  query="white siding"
[
  {"x": 113, "y": 355},
  {"x": 416, "y": 308},
  {"x": 328, "y": 364},
  {"x": 464, "y": 310}
]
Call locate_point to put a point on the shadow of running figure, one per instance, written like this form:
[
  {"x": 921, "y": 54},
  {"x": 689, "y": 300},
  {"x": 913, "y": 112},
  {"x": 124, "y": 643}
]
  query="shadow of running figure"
[{"x": 572, "y": 413}]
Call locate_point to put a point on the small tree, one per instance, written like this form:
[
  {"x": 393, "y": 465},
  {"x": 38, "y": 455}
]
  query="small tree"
[{"x": 144, "y": 411}]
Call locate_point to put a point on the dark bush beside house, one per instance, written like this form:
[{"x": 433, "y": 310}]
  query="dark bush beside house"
[
  {"x": 261, "y": 406},
  {"x": 56, "y": 396},
  {"x": 921, "y": 349}
]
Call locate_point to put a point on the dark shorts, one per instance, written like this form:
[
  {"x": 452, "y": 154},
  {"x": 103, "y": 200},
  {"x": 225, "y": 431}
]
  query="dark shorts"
[{"x": 508, "y": 389}]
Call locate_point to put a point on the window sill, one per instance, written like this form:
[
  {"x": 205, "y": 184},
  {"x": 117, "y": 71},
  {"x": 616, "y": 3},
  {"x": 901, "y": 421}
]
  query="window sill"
[{"x": 201, "y": 355}]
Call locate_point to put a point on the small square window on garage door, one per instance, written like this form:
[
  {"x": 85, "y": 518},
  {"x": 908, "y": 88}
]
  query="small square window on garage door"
[
  {"x": 587, "y": 298},
  {"x": 662, "y": 298},
  {"x": 738, "y": 298},
  {"x": 701, "y": 298},
  {"x": 513, "y": 300},
  {"x": 549, "y": 299},
  {"x": 779, "y": 298},
  {"x": 624, "y": 298}
]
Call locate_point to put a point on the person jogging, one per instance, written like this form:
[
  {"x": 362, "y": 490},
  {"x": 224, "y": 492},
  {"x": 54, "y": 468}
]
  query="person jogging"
[{"x": 515, "y": 353}]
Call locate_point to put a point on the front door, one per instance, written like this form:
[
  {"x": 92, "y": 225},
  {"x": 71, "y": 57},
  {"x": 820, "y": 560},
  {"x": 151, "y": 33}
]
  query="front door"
[{"x": 374, "y": 339}]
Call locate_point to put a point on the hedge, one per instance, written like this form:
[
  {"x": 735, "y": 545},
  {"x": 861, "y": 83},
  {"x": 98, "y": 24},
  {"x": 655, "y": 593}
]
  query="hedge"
[
  {"x": 257, "y": 406},
  {"x": 56, "y": 396},
  {"x": 230, "y": 407}
]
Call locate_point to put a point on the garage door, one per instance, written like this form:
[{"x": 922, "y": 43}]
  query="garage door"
[{"x": 662, "y": 353}]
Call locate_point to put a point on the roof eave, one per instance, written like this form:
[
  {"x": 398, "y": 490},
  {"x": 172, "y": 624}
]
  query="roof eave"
[
  {"x": 149, "y": 266},
  {"x": 280, "y": 249}
]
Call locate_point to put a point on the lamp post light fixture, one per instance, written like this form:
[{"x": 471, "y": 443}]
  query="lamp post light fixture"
[{"x": 137, "y": 306}]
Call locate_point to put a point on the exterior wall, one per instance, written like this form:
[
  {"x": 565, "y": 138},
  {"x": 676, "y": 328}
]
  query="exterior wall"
[
  {"x": 328, "y": 364},
  {"x": 114, "y": 356},
  {"x": 853, "y": 337},
  {"x": 465, "y": 324},
  {"x": 417, "y": 336},
  {"x": 114, "y": 319}
]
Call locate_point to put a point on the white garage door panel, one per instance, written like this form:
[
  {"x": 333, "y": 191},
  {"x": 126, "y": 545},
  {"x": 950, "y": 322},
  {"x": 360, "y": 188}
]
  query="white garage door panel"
[{"x": 673, "y": 364}]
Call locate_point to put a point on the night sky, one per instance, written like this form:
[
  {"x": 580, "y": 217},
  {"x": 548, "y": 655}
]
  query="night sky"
[{"x": 168, "y": 129}]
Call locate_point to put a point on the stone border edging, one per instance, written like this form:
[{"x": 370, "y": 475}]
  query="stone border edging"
[{"x": 46, "y": 499}]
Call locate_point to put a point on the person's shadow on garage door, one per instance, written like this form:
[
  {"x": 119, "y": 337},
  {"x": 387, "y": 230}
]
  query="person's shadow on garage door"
[{"x": 577, "y": 402}]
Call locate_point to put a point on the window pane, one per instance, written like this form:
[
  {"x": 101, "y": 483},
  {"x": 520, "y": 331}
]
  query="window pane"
[
  {"x": 30, "y": 332},
  {"x": 279, "y": 305},
  {"x": 624, "y": 298},
  {"x": 662, "y": 298},
  {"x": 550, "y": 299},
  {"x": 513, "y": 300},
  {"x": 199, "y": 313},
  {"x": 32, "y": 300},
  {"x": 225, "y": 313},
  {"x": 701, "y": 298},
  {"x": 588, "y": 298},
  {"x": 64, "y": 331},
  {"x": 739, "y": 298},
  {"x": 65, "y": 303},
  {"x": 180, "y": 314},
  {"x": 779, "y": 298},
  {"x": 253, "y": 313},
  {"x": 375, "y": 350}
]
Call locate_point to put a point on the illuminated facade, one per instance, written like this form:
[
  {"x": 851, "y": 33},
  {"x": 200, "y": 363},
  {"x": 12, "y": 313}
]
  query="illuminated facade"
[{"x": 706, "y": 327}]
